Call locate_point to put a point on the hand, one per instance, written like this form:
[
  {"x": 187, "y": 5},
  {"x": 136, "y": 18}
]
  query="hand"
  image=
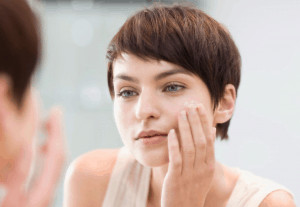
[
  {"x": 191, "y": 161},
  {"x": 41, "y": 192}
]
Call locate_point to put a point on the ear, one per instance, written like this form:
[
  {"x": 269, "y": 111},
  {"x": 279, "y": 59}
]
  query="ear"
[{"x": 225, "y": 108}]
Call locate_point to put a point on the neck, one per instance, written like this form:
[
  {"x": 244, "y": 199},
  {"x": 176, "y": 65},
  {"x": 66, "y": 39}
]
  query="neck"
[
  {"x": 220, "y": 188},
  {"x": 156, "y": 182}
]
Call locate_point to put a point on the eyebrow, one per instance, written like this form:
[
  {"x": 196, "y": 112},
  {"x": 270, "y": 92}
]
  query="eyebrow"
[{"x": 156, "y": 78}]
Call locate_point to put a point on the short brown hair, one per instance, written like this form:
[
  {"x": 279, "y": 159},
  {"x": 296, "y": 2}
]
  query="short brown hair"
[
  {"x": 19, "y": 44},
  {"x": 185, "y": 36}
]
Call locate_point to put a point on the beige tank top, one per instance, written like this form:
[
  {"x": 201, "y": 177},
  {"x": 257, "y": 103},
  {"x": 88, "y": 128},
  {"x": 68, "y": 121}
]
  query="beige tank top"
[{"x": 129, "y": 185}]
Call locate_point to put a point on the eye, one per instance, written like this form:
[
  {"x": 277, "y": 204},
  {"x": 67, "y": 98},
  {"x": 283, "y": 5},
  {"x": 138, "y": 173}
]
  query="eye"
[
  {"x": 173, "y": 88},
  {"x": 126, "y": 94}
]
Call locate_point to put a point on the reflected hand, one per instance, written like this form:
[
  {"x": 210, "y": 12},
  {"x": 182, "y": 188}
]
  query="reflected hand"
[
  {"x": 191, "y": 161},
  {"x": 41, "y": 192}
]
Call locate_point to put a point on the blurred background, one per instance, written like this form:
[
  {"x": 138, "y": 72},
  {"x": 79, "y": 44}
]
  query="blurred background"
[{"x": 264, "y": 132}]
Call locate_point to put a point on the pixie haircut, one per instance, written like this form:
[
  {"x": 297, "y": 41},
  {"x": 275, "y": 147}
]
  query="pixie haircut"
[
  {"x": 185, "y": 36},
  {"x": 19, "y": 45}
]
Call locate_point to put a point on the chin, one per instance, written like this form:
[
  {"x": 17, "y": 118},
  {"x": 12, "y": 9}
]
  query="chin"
[{"x": 152, "y": 157}]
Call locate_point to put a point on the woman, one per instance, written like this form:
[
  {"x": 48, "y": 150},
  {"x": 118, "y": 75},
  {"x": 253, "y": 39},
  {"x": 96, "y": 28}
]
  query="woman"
[
  {"x": 19, "y": 55},
  {"x": 173, "y": 74}
]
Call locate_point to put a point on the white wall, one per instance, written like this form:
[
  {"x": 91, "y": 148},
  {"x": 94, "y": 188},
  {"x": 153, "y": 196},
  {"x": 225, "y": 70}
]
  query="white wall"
[{"x": 264, "y": 131}]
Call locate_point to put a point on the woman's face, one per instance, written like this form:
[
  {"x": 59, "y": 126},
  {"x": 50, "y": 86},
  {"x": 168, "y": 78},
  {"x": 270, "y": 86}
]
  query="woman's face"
[{"x": 149, "y": 95}]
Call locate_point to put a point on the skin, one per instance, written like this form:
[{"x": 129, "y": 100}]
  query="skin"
[
  {"x": 18, "y": 127},
  {"x": 25, "y": 119},
  {"x": 179, "y": 105},
  {"x": 186, "y": 95}
]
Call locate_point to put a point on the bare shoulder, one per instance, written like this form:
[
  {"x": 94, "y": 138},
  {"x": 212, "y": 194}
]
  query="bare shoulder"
[
  {"x": 278, "y": 198},
  {"x": 87, "y": 178}
]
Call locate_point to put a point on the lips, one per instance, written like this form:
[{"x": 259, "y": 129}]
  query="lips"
[{"x": 150, "y": 133}]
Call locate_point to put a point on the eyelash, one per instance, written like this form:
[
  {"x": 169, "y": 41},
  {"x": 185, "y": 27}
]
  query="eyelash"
[{"x": 170, "y": 85}]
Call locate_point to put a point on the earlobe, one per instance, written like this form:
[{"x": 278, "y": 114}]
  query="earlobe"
[{"x": 225, "y": 108}]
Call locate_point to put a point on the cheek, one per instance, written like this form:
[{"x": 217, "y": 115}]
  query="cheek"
[
  {"x": 171, "y": 110},
  {"x": 175, "y": 106},
  {"x": 118, "y": 114},
  {"x": 26, "y": 122},
  {"x": 31, "y": 115},
  {"x": 123, "y": 116},
  {"x": 9, "y": 149}
]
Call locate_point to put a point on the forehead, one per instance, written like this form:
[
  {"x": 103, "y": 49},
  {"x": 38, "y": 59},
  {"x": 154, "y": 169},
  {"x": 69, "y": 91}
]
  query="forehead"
[{"x": 133, "y": 65}]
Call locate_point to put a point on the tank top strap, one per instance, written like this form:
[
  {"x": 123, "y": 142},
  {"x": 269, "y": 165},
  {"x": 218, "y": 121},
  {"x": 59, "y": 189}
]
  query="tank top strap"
[
  {"x": 250, "y": 190},
  {"x": 129, "y": 182}
]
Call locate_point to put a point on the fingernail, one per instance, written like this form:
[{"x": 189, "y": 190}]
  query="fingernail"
[{"x": 171, "y": 133}]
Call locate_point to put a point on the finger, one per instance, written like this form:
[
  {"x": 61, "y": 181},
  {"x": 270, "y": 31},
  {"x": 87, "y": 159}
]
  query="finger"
[
  {"x": 198, "y": 135},
  {"x": 55, "y": 138},
  {"x": 210, "y": 150},
  {"x": 55, "y": 144},
  {"x": 44, "y": 187},
  {"x": 54, "y": 154},
  {"x": 187, "y": 144},
  {"x": 208, "y": 132},
  {"x": 175, "y": 160},
  {"x": 54, "y": 123}
]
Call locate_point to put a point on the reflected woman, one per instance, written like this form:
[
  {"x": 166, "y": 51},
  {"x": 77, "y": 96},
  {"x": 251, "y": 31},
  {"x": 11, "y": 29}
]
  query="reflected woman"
[
  {"x": 19, "y": 55},
  {"x": 173, "y": 75}
]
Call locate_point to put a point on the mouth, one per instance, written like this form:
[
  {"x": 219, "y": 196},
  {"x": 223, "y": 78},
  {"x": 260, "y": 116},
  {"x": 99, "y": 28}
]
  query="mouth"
[
  {"x": 156, "y": 135},
  {"x": 152, "y": 140},
  {"x": 150, "y": 134}
]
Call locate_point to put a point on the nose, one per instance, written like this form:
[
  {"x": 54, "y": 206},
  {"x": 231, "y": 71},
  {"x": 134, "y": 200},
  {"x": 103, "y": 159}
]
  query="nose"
[{"x": 147, "y": 107}]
